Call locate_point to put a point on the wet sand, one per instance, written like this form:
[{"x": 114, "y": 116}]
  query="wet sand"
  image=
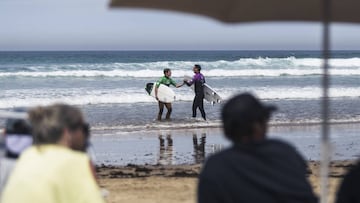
[
  {"x": 177, "y": 183},
  {"x": 192, "y": 146}
]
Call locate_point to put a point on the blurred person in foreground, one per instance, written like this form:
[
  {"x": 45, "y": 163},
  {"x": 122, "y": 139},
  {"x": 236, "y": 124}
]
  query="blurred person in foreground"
[
  {"x": 55, "y": 169},
  {"x": 17, "y": 136},
  {"x": 349, "y": 188},
  {"x": 254, "y": 168}
]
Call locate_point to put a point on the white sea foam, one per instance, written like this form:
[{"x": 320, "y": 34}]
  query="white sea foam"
[
  {"x": 290, "y": 66},
  {"x": 83, "y": 96},
  {"x": 147, "y": 73},
  {"x": 80, "y": 96}
]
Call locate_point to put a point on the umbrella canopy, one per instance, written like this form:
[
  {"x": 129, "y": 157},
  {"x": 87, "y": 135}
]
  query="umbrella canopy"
[{"x": 234, "y": 11}]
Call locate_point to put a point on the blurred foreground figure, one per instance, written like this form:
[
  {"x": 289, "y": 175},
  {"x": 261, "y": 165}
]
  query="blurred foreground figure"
[
  {"x": 17, "y": 136},
  {"x": 349, "y": 188},
  {"x": 254, "y": 169},
  {"x": 55, "y": 169}
]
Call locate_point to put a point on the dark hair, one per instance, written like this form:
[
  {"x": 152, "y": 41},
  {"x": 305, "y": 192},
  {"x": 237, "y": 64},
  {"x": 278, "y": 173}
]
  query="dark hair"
[
  {"x": 197, "y": 66},
  {"x": 240, "y": 114},
  {"x": 18, "y": 126},
  {"x": 49, "y": 122},
  {"x": 166, "y": 70}
]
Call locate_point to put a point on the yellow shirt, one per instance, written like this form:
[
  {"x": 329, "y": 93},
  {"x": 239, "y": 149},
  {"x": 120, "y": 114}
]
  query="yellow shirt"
[{"x": 52, "y": 174}]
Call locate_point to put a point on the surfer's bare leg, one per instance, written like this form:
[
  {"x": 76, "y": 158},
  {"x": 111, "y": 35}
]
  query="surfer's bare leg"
[
  {"x": 161, "y": 109},
  {"x": 169, "y": 110}
]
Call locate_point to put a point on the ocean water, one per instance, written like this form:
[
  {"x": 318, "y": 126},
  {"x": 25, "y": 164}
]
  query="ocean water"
[{"x": 109, "y": 85}]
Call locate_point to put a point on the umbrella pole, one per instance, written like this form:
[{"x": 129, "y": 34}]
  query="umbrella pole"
[{"x": 325, "y": 146}]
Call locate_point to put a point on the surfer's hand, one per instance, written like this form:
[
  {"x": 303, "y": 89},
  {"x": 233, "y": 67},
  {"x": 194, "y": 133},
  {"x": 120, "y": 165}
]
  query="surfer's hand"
[{"x": 157, "y": 98}]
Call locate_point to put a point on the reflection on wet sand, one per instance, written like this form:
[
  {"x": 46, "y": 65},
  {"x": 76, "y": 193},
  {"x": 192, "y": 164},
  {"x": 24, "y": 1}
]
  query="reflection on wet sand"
[
  {"x": 139, "y": 148},
  {"x": 199, "y": 149},
  {"x": 166, "y": 149},
  {"x": 166, "y": 152},
  {"x": 156, "y": 147}
]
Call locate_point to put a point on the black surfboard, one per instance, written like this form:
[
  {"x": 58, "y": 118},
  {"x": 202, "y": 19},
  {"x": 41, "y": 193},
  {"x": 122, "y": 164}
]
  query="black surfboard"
[{"x": 149, "y": 87}]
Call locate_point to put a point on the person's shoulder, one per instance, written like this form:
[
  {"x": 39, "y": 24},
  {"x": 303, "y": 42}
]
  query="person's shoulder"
[
  {"x": 280, "y": 144},
  {"x": 202, "y": 77},
  {"x": 221, "y": 163},
  {"x": 283, "y": 150},
  {"x": 160, "y": 81},
  {"x": 77, "y": 155},
  {"x": 218, "y": 158},
  {"x": 349, "y": 185},
  {"x": 71, "y": 162},
  {"x": 64, "y": 154},
  {"x": 172, "y": 80},
  {"x": 354, "y": 172}
]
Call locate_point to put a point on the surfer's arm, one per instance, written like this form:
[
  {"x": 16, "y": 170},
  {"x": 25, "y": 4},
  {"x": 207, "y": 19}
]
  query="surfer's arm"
[
  {"x": 187, "y": 82},
  {"x": 156, "y": 92},
  {"x": 179, "y": 85},
  {"x": 160, "y": 81},
  {"x": 172, "y": 82},
  {"x": 156, "y": 88},
  {"x": 190, "y": 82}
]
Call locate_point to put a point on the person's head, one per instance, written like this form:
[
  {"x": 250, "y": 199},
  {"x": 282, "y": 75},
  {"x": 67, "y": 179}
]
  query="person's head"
[
  {"x": 59, "y": 124},
  {"x": 245, "y": 118},
  {"x": 197, "y": 68},
  {"x": 17, "y": 135},
  {"x": 167, "y": 72},
  {"x": 17, "y": 126}
]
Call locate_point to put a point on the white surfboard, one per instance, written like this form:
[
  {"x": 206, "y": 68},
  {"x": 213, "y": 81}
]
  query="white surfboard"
[
  {"x": 165, "y": 93},
  {"x": 210, "y": 94}
]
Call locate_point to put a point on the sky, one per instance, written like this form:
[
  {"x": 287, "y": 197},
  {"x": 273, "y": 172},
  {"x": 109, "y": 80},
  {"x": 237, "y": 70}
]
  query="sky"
[{"x": 27, "y": 25}]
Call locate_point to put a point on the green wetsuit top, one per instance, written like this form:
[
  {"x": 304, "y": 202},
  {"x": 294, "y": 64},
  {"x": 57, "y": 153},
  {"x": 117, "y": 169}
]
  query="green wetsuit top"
[{"x": 165, "y": 81}]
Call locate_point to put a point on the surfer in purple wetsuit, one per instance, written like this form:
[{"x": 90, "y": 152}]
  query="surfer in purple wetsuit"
[{"x": 198, "y": 80}]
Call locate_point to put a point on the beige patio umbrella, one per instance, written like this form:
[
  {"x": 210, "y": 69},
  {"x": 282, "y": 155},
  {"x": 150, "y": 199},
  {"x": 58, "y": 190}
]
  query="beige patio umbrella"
[{"x": 236, "y": 11}]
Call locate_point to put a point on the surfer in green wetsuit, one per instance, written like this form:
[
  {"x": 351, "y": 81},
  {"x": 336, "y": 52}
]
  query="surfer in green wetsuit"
[{"x": 165, "y": 80}]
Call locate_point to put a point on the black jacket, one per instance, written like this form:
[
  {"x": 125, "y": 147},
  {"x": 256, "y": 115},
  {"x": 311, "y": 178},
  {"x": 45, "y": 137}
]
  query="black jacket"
[
  {"x": 349, "y": 189},
  {"x": 269, "y": 171}
]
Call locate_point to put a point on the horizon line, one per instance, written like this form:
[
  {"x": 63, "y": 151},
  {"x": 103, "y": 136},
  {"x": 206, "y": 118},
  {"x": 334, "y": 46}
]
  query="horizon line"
[{"x": 129, "y": 50}]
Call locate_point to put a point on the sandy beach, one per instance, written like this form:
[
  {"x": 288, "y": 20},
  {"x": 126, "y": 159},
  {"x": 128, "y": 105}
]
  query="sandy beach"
[
  {"x": 158, "y": 184},
  {"x": 164, "y": 165}
]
